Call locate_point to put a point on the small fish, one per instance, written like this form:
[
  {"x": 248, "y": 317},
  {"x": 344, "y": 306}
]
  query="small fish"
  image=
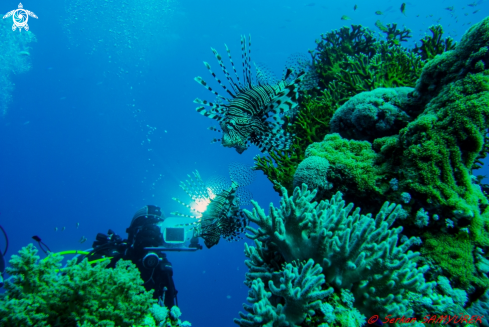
[
  {"x": 381, "y": 26},
  {"x": 344, "y": 17},
  {"x": 378, "y": 13},
  {"x": 475, "y": 12},
  {"x": 77, "y": 225},
  {"x": 403, "y": 8},
  {"x": 355, "y": 7},
  {"x": 472, "y": 4},
  {"x": 449, "y": 8},
  {"x": 417, "y": 15},
  {"x": 466, "y": 14},
  {"x": 83, "y": 239},
  {"x": 63, "y": 229},
  {"x": 55, "y": 229}
]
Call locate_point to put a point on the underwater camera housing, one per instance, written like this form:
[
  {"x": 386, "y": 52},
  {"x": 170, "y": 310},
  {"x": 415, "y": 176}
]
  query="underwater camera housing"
[{"x": 177, "y": 235}]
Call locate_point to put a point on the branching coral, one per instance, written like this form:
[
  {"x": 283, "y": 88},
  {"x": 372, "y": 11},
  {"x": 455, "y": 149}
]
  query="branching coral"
[
  {"x": 333, "y": 47},
  {"x": 82, "y": 295},
  {"x": 357, "y": 252},
  {"x": 300, "y": 289},
  {"x": 433, "y": 45},
  {"x": 394, "y": 35}
]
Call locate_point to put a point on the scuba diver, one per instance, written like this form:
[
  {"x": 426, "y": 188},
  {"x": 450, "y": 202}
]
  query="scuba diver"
[{"x": 148, "y": 240}]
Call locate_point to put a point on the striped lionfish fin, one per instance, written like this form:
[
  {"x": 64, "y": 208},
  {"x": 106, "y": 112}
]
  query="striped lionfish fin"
[
  {"x": 204, "y": 112},
  {"x": 199, "y": 80},
  {"x": 187, "y": 206},
  {"x": 195, "y": 187},
  {"x": 225, "y": 71},
  {"x": 246, "y": 58},
  {"x": 214, "y": 75},
  {"x": 234, "y": 67},
  {"x": 215, "y": 106},
  {"x": 183, "y": 215},
  {"x": 284, "y": 101},
  {"x": 278, "y": 139}
]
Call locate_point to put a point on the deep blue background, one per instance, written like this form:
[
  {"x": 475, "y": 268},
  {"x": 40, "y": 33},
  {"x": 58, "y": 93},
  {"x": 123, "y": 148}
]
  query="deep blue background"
[{"x": 74, "y": 144}]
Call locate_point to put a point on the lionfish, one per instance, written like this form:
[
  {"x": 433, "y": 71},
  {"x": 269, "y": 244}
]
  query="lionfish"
[
  {"x": 253, "y": 112},
  {"x": 216, "y": 207}
]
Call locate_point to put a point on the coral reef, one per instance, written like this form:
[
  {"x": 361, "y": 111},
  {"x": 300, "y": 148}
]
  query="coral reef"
[
  {"x": 427, "y": 139},
  {"x": 357, "y": 253},
  {"x": 42, "y": 293},
  {"x": 413, "y": 139}
]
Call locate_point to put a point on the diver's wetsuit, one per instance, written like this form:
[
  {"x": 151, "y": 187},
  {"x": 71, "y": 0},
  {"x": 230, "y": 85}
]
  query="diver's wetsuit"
[{"x": 154, "y": 279}]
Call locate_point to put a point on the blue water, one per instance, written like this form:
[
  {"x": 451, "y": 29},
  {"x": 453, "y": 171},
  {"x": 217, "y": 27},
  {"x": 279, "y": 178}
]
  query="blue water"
[{"x": 97, "y": 129}]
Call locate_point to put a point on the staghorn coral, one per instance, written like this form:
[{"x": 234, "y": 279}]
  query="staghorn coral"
[
  {"x": 433, "y": 45},
  {"x": 394, "y": 35},
  {"x": 357, "y": 252},
  {"x": 334, "y": 46}
]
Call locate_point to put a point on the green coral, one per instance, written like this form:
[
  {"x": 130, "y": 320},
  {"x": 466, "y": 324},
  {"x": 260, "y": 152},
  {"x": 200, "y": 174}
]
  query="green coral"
[
  {"x": 394, "y": 35},
  {"x": 350, "y": 62},
  {"x": 82, "y": 295},
  {"x": 352, "y": 163},
  {"x": 309, "y": 126},
  {"x": 456, "y": 256},
  {"x": 433, "y": 45},
  {"x": 333, "y": 48},
  {"x": 347, "y": 62}
]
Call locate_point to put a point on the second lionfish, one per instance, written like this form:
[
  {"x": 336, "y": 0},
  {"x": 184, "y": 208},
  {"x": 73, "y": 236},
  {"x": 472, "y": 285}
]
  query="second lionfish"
[
  {"x": 254, "y": 109},
  {"x": 216, "y": 205}
]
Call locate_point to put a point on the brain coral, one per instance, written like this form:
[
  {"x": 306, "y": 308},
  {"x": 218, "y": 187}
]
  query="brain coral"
[
  {"x": 312, "y": 171},
  {"x": 373, "y": 114}
]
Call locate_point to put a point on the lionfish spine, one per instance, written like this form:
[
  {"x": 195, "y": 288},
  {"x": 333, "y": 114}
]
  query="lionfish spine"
[
  {"x": 232, "y": 64},
  {"x": 214, "y": 75},
  {"x": 183, "y": 215},
  {"x": 199, "y": 80},
  {"x": 225, "y": 71}
]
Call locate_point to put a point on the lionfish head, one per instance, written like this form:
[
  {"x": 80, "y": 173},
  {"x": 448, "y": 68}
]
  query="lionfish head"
[
  {"x": 232, "y": 137},
  {"x": 210, "y": 241}
]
